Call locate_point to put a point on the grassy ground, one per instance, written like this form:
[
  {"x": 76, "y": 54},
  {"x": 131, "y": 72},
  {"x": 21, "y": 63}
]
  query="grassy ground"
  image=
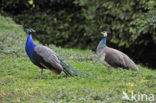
[{"x": 19, "y": 78}]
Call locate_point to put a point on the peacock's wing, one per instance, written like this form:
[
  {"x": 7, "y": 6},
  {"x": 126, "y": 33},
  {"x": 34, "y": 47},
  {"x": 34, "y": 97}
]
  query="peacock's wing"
[{"x": 47, "y": 58}]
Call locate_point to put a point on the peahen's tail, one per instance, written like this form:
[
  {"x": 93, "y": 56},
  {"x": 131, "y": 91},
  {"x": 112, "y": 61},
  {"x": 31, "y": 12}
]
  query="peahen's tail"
[{"x": 68, "y": 69}]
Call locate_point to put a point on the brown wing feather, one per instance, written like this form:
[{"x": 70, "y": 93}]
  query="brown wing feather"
[
  {"x": 53, "y": 70},
  {"x": 114, "y": 57},
  {"x": 118, "y": 59},
  {"x": 130, "y": 63}
]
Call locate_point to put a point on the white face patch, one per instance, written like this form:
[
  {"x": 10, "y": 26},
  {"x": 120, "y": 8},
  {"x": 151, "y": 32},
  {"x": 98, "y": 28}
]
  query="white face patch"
[{"x": 104, "y": 33}]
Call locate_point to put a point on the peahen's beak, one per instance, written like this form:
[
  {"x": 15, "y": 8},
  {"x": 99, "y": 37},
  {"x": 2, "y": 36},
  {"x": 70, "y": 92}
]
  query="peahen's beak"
[{"x": 103, "y": 32}]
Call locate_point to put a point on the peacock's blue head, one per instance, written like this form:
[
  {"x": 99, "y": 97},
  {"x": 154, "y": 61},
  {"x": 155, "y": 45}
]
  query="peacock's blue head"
[
  {"x": 105, "y": 33},
  {"x": 30, "y": 30}
]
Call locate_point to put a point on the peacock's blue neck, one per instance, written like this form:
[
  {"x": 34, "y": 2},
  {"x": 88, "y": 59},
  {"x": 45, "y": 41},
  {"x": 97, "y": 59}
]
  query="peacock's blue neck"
[
  {"x": 103, "y": 42},
  {"x": 29, "y": 47}
]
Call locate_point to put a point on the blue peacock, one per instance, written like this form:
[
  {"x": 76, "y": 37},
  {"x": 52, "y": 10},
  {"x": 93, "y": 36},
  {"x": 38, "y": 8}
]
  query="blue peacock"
[
  {"x": 45, "y": 58},
  {"x": 113, "y": 57}
]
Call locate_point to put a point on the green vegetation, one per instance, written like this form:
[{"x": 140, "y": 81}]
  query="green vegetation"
[
  {"x": 20, "y": 83},
  {"x": 77, "y": 23}
]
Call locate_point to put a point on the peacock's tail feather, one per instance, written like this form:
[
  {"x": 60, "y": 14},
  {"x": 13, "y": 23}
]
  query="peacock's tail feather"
[{"x": 68, "y": 69}]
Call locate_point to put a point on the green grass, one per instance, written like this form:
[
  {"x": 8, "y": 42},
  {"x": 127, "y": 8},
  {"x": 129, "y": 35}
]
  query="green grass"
[{"x": 20, "y": 79}]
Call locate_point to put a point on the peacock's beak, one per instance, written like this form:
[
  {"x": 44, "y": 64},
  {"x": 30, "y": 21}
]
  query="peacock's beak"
[
  {"x": 33, "y": 30},
  {"x": 30, "y": 30}
]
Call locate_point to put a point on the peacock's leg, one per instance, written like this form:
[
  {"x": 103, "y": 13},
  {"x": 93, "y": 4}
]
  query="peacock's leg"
[{"x": 41, "y": 72}]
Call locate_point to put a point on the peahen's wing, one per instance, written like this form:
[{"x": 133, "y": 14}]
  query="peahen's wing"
[
  {"x": 129, "y": 63},
  {"x": 119, "y": 59},
  {"x": 49, "y": 58},
  {"x": 114, "y": 57}
]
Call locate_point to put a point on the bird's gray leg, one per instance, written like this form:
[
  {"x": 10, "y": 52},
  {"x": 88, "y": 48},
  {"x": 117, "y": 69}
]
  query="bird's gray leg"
[{"x": 41, "y": 72}]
